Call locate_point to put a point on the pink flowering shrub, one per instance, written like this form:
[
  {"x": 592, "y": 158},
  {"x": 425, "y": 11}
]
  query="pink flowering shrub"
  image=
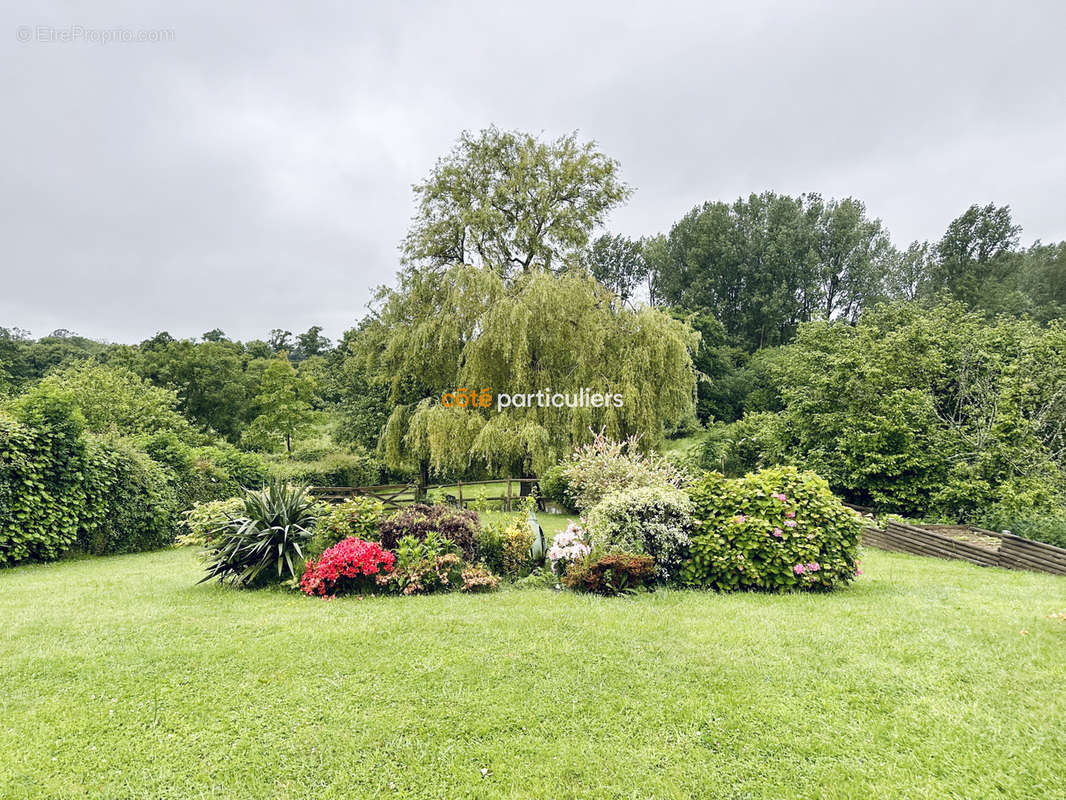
[
  {"x": 567, "y": 547},
  {"x": 774, "y": 530},
  {"x": 349, "y": 567}
]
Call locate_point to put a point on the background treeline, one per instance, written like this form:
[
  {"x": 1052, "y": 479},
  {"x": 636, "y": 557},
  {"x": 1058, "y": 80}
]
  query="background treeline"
[{"x": 924, "y": 380}]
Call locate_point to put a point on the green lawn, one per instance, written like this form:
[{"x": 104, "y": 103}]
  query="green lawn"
[{"x": 122, "y": 678}]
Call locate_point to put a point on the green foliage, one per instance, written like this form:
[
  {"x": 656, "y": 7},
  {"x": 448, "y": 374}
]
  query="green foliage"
[
  {"x": 972, "y": 255},
  {"x": 604, "y": 465},
  {"x": 210, "y": 472},
  {"x": 763, "y": 265},
  {"x": 356, "y": 517},
  {"x": 42, "y": 478},
  {"x": 518, "y": 541},
  {"x": 618, "y": 263},
  {"x": 469, "y": 328},
  {"x": 129, "y": 499},
  {"x": 59, "y": 488},
  {"x": 653, "y": 521},
  {"x": 612, "y": 574},
  {"x": 774, "y": 530},
  {"x": 265, "y": 542},
  {"x": 215, "y": 381},
  {"x": 509, "y": 202},
  {"x": 113, "y": 400},
  {"x": 419, "y": 521},
  {"x": 204, "y": 520},
  {"x": 425, "y": 564},
  {"x": 333, "y": 469},
  {"x": 25, "y": 360},
  {"x": 1049, "y": 527},
  {"x": 489, "y": 544},
  {"x": 926, "y": 413},
  {"x": 555, "y": 486},
  {"x": 538, "y": 578},
  {"x": 284, "y": 402}
]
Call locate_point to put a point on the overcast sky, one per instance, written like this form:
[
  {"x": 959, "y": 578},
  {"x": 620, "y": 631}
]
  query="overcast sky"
[{"x": 254, "y": 170}]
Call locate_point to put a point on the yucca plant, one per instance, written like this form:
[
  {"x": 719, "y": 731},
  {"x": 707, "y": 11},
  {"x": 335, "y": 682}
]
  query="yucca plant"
[{"x": 265, "y": 542}]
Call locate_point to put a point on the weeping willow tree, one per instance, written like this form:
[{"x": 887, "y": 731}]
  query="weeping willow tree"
[{"x": 469, "y": 328}]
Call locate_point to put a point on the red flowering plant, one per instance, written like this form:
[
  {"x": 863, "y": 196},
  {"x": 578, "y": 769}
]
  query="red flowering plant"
[{"x": 351, "y": 566}]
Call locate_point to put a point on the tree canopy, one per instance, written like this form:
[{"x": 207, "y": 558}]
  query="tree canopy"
[
  {"x": 511, "y": 202},
  {"x": 763, "y": 265},
  {"x": 466, "y": 327}
]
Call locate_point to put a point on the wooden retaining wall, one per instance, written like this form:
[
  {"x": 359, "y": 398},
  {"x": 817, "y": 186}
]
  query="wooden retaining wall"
[
  {"x": 1018, "y": 553},
  {"x": 912, "y": 539},
  {"x": 1012, "y": 552}
]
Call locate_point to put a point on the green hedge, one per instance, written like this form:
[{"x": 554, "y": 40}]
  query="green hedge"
[
  {"x": 335, "y": 469},
  {"x": 60, "y": 488},
  {"x": 130, "y": 503},
  {"x": 42, "y": 495}
]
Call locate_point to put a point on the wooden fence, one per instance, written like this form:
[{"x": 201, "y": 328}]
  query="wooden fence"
[
  {"x": 392, "y": 495},
  {"x": 986, "y": 548},
  {"x": 397, "y": 495}
]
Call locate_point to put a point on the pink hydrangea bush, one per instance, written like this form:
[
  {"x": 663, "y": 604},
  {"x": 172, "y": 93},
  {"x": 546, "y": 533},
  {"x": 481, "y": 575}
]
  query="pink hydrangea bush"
[{"x": 777, "y": 529}]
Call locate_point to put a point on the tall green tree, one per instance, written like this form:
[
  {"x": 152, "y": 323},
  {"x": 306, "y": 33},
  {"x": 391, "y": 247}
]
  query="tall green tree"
[
  {"x": 763, "y": 265},
  {"x": 212, "y": 379},
  {"x": 618, "y": 263},
  {"x": 511, "y": 202},
  {"x": 974, "y": 253},
  {"x": 310, "y": 344},
  {"x": 284, "y": 400},
  {"x": 469, "y": 328}
]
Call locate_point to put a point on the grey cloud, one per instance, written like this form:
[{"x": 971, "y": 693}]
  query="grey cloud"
[{"x": 255, "y": 171}]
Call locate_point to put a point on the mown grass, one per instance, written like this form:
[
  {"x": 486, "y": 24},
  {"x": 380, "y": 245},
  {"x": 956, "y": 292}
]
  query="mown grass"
[{"x": 121, "y": 678}]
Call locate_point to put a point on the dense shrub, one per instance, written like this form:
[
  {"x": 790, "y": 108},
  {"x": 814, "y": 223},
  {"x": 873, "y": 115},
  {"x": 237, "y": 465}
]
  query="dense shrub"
[
  {"x": 131, "y": 504},
  {"x": 554, "y": 486},
  {"x": 205, "y": 473},
  {"x": 538, "y": 578},
  {"x": 113, "y": 400},
  {"x": 42, "y": 472},
  {"x": 604, "y": 466},
  {"x": 567, "y": 547},
  {"x": 424, "y": 565},
  {"x": 612, "y": 574},
  {"x": 203, "y": 520},
  {"x": 776, "y": 529},
  {"x": 356, "y": 517},
  {"x": 458, "y": 526},
  {"x": 352, "y": 566},
  {"x": 489, "y": 543},
  {"x": 266, "y": 542},
  {"x": 926, "y": 412},
  {"x": 1046, "y": 527},
  {"x": 60, "y": 488},
  {"x": 518, "y": 541},
  {"x": 652, "y": 521},
  {"x": 479, "y": 579},
  {"x": 333, "y": 469}
]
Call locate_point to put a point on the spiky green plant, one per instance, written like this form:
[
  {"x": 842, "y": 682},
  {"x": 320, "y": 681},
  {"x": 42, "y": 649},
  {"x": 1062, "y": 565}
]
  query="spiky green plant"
[{"x": 265, "y": 542}]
